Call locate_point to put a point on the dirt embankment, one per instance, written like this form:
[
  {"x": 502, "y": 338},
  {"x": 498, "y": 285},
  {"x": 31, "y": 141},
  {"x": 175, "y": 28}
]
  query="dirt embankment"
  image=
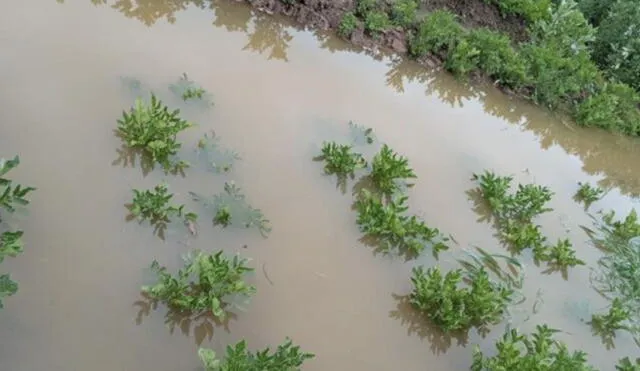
[{"x": 327, "y": 14}]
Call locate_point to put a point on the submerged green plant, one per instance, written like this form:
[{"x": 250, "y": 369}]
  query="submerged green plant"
[
  {"x": 155, "y": 206},
  {"x": 625, "y": 364},
  {"x": 388, "y": 168},
  {"x": 205, "y": 283},
  {"x": 561, "y": 255},
  {"x": 389, "y": 224},
  {"x": 588, "y": 194},
  {"x": 151, "y": 128},
  {"x": 454, "y": 308},
  {"x": 520, "y": 236},
  {"x": 286, "y": 357},
  {"x": 12, "y": 196},
  {"x": 617, "y": 318},
  {"x": 188, "y": 90},
  {"x": 240, "y": 212},
  {"x": 340, "y": 160},
  {"x": 222, "y": 217},
  {"x": 218, "y": 159},
  {"x": 537, "y": 352}
]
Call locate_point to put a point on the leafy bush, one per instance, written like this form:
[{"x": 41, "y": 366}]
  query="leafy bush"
[
  {"x": 617, "y": 45},
  {"x": 588, "y": 194},
  {"x": 462, "y": 58},
  {"x": 561, "y": 255},
  {"x": 340, "y": 160},
  {"x": 595, "y": 10},
  {"x": 567, "y": 30},
  {"x": 438, "y": 31},
  {"x": 376, "y": 22},
  {"x": 626, "y": 364},
  {"x": 11, "y": 196},
  {"x": 364, "y": 7},
  {"x": 531, "y": 10},
  {"x": 538, "y": 352},
  {"x": 403, "y": 12},
  {"x": 155, "y": 206},
  {"x": 348, "y": 24},
  {"x": 394, "y": 229},
  {"x": 152, "y": 128},
  {"x": 388, "y": 168},
  {"x": 497, "y": 58},
  {"x": 204, "y": 284},
  {"x": 238, "y": 358},
  {"x": 614, "y": 108},
  {"x": 453, "y": 308}
]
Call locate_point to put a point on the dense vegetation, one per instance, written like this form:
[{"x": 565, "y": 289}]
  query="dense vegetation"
[
  {"x": 12, "y": 196},
  {"x": 587, "y": 64}
]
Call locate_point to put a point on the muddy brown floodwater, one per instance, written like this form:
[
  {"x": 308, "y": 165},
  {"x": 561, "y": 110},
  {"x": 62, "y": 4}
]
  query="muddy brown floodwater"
[{"x": 279, "y": 92}]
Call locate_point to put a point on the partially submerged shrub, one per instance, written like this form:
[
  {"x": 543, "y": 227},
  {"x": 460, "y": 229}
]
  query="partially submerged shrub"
[
  {"x": 561, "y": 255},
  {"x": 452, "y": 307},
  {"x": 348, "y": 24},
  {"x": 340, "y": 160},
  {"x": 438, "y": 31},
  {"x": 522, "y": 235},
  {"x": 12, "y": 196},
  {"x": 617, "y": 318},
  {"x": 403, "y": 12},
  {"x": 376, "y": 22},
  {"x": 155, "y": 206},
  {"x": 204, "y": 284},
  {"x": 286, "y": 357},
  {"x": 152, "y": 128},
  {"x": 588, "y": 194},
  {"x": 626, "y": 364},
  {"x": 614, "y": 107},
  {"x": 393, "y": 228},
  {"x": 388, "y": 168},
  {"x": 538, "y": 351}
]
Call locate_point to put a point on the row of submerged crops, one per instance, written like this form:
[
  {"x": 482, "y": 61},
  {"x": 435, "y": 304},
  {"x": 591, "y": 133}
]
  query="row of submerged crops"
[
  {"x": 580, "y": 57},
  {"x": 481, "y": 291},
  {"x": 478, "y": 294}
]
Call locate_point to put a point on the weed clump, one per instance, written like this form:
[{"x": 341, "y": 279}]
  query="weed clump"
[
  {"x": 388, "y": 168},
  {"x": 12, "y": 196},
  {"x": 588, "y": 194},
  {"x": 348, "y": 24},
  {"x": 153, "y": 129},
  {"x": 452, "y": 307},
  {"x": 238, "y": 357},
  {"x": 205, "y": 283},
  {"x": 614, "y": 107},
  {"x": 393, "y": 228},
  {"x": 155, "y": 206},
  {"x": 617, "y": 318},
  {"x": 376, "y": 22},
  {"x": 439, "y": 31},
  {"x": 340, "y": 160},
  {"x": 497, "y": 58},
  {"x": 403, "y": 13},
  {"x": 561, "y": 255},
  {"x": 538, "y": 351}
]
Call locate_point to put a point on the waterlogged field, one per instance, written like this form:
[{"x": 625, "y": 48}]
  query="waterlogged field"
[{"x": 353, "y": 185}]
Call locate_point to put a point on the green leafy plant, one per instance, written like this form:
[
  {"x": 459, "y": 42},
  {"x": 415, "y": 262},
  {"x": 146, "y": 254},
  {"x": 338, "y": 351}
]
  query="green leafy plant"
[
  {"x": 12, "y": 196},
  {"x": 520, "y": 236},
  {"x": 348, "y": 24},
  {"x": 340, "y": 160},
  {"x": 462, "y": 58},
  {"x": 218, "y": 159},
  {"x": 626, "y": 364},
  {"x": 376, "y": 22},
  {"x": 234, "y": 202},
  {"x": 452, "y": 307},
  {"x": 364, "y": 7},
  {"x": 438, "y": 31},
  {"x": 222, "y": 217},
  {"x": 403, "y": 12},
  {"x": 537, "y": 352},
  {"x": 560, "y": 255},
  {"x": 155, "y": 206},
  {"x": 531, "y": 10},
  {"x": 395, "y": 230},
  {"x": 152, "y": 128},
  {"x": 388, "y": 168},
  {"x": 286, "y": 357},
  {"x": 588, "y": 194},
  {"x": 606, "y": 325},
  {"x": 498, "y": 58},
  {"x": 204, "y": 284},
  {"x": 614, "y": 107}
]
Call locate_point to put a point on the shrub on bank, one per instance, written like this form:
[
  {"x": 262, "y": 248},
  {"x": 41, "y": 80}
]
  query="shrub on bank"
[
  {"x": 497, "y": 58},
  {"x": 348, "y": 24},
  {"x": 376, "y": 22},
  {"x": 531, "y": 10},
  {"x": 403, "y": 12},
  {"x": 614, "y": 108},
  {"x": 438, "y": 31}
]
